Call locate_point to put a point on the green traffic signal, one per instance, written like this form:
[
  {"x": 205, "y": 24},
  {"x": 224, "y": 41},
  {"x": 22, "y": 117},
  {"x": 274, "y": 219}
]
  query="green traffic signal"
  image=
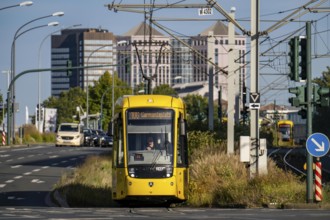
[
  {"x": 69, "y": 66},
  {"x": 294, "y": 59},
  {"x": 300, "y": 98},
  {"x": 321, "y": 95}
]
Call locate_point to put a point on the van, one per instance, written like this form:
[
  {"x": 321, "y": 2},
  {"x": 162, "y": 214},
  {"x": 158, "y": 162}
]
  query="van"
[{"x": 69, "y": 134}]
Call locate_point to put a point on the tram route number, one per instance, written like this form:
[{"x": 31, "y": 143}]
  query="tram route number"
[{"x": 205, "y": 11}]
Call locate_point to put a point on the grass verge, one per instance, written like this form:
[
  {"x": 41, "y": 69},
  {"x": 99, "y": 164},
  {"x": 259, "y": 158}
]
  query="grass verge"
[{"x": 216, "y": 180}]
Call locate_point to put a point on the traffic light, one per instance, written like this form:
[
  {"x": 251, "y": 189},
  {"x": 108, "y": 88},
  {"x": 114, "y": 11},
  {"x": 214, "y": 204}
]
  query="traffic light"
[
  {"x": 127, "y": 66},
  {"x": 303, "y": 58},
  {"x": 303, "y": 113},
  {"x": 37, "y": 113},
  {"x": 69, "y": 66},
  {"x": 294, "y": 59},
  {"x": 321, "y": 95},
  {"x": 300, "y": 98},
  {"x": 41, "y": 114}
]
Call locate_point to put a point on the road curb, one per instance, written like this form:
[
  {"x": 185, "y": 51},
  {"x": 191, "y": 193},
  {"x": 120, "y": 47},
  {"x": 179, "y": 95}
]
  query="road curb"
[
  {"x": 307, "y": 206},
  {"x": 61, "y": 201}
]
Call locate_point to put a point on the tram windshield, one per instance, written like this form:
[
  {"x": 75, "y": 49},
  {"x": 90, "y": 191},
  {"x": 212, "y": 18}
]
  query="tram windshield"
[
  {"x": 150, "y": 136},
  {"x": 285, "y": 131}
]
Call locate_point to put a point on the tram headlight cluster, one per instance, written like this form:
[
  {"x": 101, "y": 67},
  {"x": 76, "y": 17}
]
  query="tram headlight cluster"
[
  {"x": 169, "y": 171},
  {"x": 131, "y": 172}
]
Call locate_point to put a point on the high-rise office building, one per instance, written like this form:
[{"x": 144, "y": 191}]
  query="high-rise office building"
[{"x": 83, "y": 47}]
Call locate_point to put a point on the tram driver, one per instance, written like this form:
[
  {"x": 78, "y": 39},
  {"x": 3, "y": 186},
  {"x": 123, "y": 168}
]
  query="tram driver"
[{"x": 150, "y": 144}]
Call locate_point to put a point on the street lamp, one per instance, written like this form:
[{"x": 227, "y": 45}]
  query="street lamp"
[
  {"x": 26, "y": 3},
  {"x": 39, "y": 76},
  {"x": 102, "y": 107},
  {"x": 87, "y": 82},
  {"x": 16, "y": 36}
]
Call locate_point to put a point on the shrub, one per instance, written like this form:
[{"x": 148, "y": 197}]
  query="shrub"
[{"x": 218, "y": 179}]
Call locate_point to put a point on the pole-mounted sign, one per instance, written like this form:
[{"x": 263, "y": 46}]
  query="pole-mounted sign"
[{"x": 317, "y": 145}]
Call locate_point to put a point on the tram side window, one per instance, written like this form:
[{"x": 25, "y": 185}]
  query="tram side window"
[
  {"x": 119, "y": 137},
  {"x": 182, "y": 152}
]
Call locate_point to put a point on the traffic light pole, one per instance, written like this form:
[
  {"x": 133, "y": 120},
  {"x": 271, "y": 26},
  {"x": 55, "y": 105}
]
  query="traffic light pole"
[
  {"x": 9, "y": 107},
  {"x": 309, "y": 158}
]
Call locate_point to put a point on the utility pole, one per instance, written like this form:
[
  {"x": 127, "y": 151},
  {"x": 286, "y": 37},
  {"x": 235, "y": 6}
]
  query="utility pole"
[
  {"x": 231, "y": 87},
  {"x": 210, "y": 52},
  {"x": 254, "y": 113},
  {"x": 309, "y": 157}
]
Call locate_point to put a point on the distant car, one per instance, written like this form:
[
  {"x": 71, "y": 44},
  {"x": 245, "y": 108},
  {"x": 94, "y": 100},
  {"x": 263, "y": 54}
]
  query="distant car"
[
  {"x": 69, "y": 134},
  {"x": 97, "y": 139},
  {"x": 89, "y": 137},
  {"x": 106, "y": 141}
]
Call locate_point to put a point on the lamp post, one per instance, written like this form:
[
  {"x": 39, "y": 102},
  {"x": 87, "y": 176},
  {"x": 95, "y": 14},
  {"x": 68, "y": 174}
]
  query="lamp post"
[
  {"x": 102, "y": 106},
  {"x": 87, "y": 82},
  {"x": 26, "y": 3},
  {"x": 39, "y": 75},
  {"x": 17, "y": 35}
]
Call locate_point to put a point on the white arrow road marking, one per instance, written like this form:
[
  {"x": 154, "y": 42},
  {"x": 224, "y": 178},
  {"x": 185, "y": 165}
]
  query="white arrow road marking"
[
  {"x": 320, "y": 148},
  {"x": 37, "y": 181}
]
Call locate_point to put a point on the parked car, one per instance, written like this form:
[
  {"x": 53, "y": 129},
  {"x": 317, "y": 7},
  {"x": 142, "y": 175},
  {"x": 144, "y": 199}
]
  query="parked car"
[{"x": 69, "y": 134}]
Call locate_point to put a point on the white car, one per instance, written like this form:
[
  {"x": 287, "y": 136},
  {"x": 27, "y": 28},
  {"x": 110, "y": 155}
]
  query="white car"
[{"x": 69, "y": 134}]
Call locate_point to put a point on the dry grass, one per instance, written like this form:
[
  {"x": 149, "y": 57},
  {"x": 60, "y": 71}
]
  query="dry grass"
[
  {"x": 216, "y": 180},
  {"x": 90, "y": 184}
]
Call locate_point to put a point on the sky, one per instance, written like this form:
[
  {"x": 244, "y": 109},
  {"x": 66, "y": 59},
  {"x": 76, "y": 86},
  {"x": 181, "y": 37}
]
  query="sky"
[{"x": 31, "y": 53}]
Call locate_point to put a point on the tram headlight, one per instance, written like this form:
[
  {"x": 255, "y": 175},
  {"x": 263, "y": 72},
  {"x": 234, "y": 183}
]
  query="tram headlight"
[
  {"x": 131, "y": 172},
  {"x": 169, "y": 171}
]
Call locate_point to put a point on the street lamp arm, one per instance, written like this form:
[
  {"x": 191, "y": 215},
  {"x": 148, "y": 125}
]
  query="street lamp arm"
[
  {"x": 36, "y": 19},
  {"x": 26, "y": 3},
  {"x": 40, "y": 26}
]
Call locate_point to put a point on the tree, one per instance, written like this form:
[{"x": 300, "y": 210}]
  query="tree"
[
  {"x": 104, "y": 87},
  {"x": 197, "y": 107},
  {"x": 67, "y": 104},
  {"x": 321, "y": 119},
  {"x": 164, "y": 89}
]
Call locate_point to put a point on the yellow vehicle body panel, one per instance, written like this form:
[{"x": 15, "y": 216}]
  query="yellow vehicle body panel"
[{"x": 174, "y": 186}]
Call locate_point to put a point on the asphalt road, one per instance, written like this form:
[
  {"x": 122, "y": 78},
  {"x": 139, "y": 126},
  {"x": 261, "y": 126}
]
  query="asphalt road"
[{"x": 28, "y": 174}]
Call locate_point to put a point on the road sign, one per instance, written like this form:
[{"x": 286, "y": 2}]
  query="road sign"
[
  {"x": 317, "y": 145},
  {"x": 254, "y": 105},
  {"x": 255, "y": 97}
]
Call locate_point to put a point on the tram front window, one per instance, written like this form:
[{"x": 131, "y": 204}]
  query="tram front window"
[
  {"x": 149, "y": 143},
  {"x": 285, "y": 132}
]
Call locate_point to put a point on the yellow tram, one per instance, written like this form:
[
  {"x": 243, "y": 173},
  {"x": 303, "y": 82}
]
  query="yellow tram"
[
  {"x": 140, "y": 173},
  {"x": 284, "y": 131}
]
